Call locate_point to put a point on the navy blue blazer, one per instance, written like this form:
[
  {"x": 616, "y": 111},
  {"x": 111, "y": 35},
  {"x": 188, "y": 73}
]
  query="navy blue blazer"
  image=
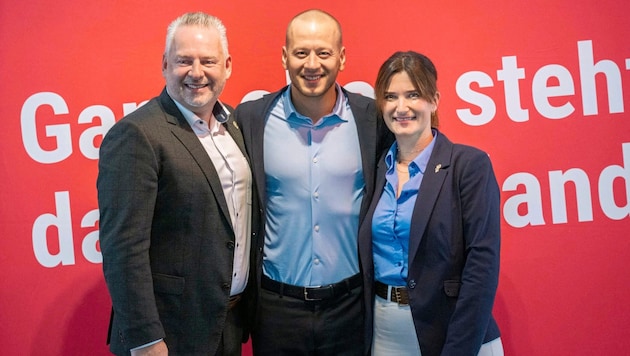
[{"x": 453, "y": 251}]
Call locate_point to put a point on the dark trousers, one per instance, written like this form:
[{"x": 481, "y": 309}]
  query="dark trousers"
[
  {"x": 289, "y": 326},
  {"x": 232, "y": 337}
]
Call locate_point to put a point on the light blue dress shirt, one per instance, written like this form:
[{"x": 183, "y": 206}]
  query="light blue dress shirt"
[
  {"x": 392, "y": 218},
  {"x": 314, "y": 190}
]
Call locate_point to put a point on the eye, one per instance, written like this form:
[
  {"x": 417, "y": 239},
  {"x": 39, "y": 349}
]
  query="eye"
[
  {"x": 300, "y": 54},
  {"x": 414, "y": 95},
  {"x": 389, "y": 97},
  {"x": 324, "y": 54}
]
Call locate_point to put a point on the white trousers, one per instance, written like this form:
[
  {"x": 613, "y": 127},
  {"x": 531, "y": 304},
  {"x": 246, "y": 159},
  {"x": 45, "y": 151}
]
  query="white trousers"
[{"x": 395, "y": 334}]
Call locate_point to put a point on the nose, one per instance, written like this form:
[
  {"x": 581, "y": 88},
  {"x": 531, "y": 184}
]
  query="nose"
[
  {"x": 312, "y": 61},
  {"x": 401, "y": 105},
  {"x": 195, "y": 70}
]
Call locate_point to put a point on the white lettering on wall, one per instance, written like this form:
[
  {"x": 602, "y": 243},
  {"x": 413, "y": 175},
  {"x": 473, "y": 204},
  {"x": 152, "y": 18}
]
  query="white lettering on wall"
[
  {"x": 61, "y": 221},
  {"x": 62, "y": 132},
  {"x": 542, "y": 90},
  {"x": 526, "y": 208},
  {"x": 606, "y": 191},
  {"x": 588, "y": 70},
  {"x": 485, "y": 103},
  {"x": 530, "y": 201}
]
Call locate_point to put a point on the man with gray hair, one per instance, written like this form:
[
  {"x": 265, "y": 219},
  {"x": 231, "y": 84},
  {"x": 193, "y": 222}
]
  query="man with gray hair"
[{"x": 174, "y": 193}]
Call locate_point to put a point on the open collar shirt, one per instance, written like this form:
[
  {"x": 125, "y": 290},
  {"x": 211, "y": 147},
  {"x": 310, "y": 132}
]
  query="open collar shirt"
[
  {"x": 392, "y": 218},
  {"x": 236, "y": 181},
  {"x": 314, "y": 190}
]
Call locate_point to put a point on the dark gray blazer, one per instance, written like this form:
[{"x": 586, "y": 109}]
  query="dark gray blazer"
[
  {"x": 454, "y": 247},
  {"x": 165, "y": 232}
]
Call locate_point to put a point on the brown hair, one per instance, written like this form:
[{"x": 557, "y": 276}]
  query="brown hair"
[{"x": 420, "y": 70}]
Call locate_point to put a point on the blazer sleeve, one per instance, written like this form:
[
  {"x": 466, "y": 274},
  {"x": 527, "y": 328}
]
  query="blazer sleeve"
[
  {"x": 480, "y": 201},
  {"x": 127, "y": 190}
]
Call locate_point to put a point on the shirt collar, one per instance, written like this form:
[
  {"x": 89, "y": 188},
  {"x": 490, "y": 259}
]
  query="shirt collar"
[
  {"x": 219, "y": 112},
  {"x": 337, "y": 113},
  {"x": 418, "y": 164}
]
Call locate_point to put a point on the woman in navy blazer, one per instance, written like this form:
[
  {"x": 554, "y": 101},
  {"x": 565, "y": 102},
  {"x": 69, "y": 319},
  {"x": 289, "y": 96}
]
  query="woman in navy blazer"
[{"x": 429, "y": 246}]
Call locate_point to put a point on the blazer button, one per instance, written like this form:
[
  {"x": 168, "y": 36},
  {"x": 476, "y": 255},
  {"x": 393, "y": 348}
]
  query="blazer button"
[
  {"x": 411, "y": 284},
  {"x": 230, "y": 245},
  {"x": 225, "y": 286}
]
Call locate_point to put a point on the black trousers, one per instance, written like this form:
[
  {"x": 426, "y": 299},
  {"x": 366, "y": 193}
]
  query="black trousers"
[{"x": 289, "y": 326}]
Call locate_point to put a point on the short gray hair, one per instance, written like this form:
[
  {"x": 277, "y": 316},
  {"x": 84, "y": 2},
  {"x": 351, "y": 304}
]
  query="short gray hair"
[{"x": 197, "y": 19}]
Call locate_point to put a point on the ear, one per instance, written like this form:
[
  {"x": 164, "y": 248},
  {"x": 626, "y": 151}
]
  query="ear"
[
  {"x": 436, "y": 100},
  {"x": 164, "y": 64},
  {"x": 342, "y": 58},
  {"x": 228, "y": 67},
  {"x": 284, "y": 57}
]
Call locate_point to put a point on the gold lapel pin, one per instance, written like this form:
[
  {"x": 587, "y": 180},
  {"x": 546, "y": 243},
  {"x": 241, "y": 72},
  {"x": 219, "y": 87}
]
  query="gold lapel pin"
[{"x": 438, "y": 167}]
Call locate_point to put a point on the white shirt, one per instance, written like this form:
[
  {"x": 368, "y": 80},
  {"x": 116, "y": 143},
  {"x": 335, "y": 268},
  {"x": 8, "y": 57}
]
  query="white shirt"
[{"x": 236, "y": 181}]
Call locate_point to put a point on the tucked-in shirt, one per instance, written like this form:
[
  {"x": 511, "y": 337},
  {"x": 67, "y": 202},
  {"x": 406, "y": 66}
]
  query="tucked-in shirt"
[
  {"x": 236, "y": 181},
  {"x": 314, "y": 190},
  {"x": 392, "y": 218}
]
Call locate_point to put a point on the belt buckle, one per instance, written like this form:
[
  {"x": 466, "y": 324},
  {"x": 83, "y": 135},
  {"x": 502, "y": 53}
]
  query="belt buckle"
[
  {"x": 397, "y": 294},
  {"x": 306, "y": 297}
]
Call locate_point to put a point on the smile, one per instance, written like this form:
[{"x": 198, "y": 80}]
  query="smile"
[
  {"x": 195, "y": 86},
  {"x": 312, "y": 77},
  {"x": 403, "y": 118}
]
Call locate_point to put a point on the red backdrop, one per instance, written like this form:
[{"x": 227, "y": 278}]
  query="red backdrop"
[{"x": 544, "y": 87}]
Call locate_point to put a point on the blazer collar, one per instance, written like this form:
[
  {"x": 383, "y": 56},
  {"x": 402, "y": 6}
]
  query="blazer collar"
[
  {"x": 437, "y": 170},
  {"x": 185, "y": 135}
]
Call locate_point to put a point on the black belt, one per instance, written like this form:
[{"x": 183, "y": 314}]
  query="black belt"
[
  {"x": 312, "y": 293},
  {"x": 398, "y": 295}
]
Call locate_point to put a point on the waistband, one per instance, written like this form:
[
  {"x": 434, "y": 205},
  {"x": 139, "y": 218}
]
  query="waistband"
[
  {"x": 312, "y": 293},
  {"x": 398, "y": 295}
]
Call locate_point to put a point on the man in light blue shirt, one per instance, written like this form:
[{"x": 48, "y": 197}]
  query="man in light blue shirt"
[
  {"x": 313, "y": 147},
  {"x": 314, "y": 191}
]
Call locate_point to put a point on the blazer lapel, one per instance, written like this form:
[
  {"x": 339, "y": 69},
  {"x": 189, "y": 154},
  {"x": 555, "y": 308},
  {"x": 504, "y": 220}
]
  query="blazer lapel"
[
  {"x": 366, "y": 122},
  {"x": 256, "y": 134},
  {"x": 438, "y": 168},
  {"x": 184, "y": 133},
  {"x": 232, "y": 128}
]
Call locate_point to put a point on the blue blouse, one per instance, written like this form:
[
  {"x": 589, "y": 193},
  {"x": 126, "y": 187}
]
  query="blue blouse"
[{"x": 392, "y": 218}]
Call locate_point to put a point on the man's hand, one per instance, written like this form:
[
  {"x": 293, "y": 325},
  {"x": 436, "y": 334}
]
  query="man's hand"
[{"x": 158, "y": 349}]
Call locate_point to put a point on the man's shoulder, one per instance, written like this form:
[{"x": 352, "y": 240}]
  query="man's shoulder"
[
  {"x": 147, "y": 111},
  {"x": 260, "y": 102},
  {"x": 360, "y": 103}
]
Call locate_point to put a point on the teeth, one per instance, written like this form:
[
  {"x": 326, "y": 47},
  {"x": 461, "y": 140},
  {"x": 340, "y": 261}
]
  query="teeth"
[
  {"x": 311, "y": 77},
  {"x": 196, "y": 86}
]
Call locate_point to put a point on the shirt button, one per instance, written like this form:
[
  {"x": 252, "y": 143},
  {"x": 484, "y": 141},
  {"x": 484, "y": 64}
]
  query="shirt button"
[
  {"x": 316, "y": 195},
  {"x": 316, "y": 261},
  {"x": 316, "y": 228},
  {"x": 315, "y": 160}
]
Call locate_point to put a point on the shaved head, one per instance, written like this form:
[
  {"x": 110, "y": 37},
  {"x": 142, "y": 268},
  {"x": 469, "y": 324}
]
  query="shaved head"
[{"x": 310, "y": 18}]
